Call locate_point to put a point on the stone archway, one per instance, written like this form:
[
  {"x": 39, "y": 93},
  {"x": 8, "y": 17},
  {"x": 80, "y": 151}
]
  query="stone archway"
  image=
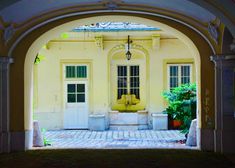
[{"x": 20, "y": 111}]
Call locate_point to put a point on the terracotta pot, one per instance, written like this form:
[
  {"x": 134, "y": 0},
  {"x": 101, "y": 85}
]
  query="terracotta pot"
[{"x": 176, "y": 123}]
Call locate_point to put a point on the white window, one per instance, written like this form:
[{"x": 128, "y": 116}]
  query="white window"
[
  {"x": 128, "y": 80},
  {"x": 76, "y": 71},
  {"x": 179, "y": 74}
]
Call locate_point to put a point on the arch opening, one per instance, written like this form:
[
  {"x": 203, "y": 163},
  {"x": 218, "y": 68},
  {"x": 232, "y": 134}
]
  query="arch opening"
[{"x": 57, "y": 31}]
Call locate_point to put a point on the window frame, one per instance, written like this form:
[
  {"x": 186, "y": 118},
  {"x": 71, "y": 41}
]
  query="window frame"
[
  {"x": 123, "y": 77},
  {"x": 128, "y": 87},
  {"x": 75, "y": 65},
  {"x": 76, "y": 103},
  {"x": 76, "y": 93},
  {"x": 179, "y": 65}
]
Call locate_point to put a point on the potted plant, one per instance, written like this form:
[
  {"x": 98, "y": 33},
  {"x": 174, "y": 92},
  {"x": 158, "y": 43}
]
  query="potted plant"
[
  {"x": 174, "y": 116},
  {"x": 181, "y": 105}
]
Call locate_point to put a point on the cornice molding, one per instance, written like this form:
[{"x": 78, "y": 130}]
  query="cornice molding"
[
  {"x": 222, "y": 57},
  {"x": 222, "y": 61}
]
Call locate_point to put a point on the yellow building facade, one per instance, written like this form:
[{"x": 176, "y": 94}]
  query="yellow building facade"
[
  {"x": 107, "y": 79},
  {"x": 206, "y": 28}
]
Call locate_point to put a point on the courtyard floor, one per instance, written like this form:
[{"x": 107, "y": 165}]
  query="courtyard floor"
[{"x": 111, "y": 139}]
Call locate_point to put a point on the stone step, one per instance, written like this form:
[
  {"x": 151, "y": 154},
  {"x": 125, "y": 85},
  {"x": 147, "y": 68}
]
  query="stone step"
[
  {"x": 122, "y": 127},
  {"x": 128, "y": 127}
]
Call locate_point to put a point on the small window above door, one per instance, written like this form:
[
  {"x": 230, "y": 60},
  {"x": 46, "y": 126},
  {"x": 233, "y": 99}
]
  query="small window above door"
[{"x": 76, "y": 71}]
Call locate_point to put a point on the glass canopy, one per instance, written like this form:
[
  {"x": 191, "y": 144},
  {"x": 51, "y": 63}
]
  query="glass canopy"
[{"x": 114, "y": 26}]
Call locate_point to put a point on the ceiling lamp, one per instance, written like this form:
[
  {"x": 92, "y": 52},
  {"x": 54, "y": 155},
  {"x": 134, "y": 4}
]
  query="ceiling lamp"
[{"x": 128, "y": 53}]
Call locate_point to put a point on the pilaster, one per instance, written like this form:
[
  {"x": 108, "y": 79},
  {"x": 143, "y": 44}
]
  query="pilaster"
[
  {"x": 4, "y": 104},
  {"x": 156, "y": 41},
  {"x": 224, "y": 133}
]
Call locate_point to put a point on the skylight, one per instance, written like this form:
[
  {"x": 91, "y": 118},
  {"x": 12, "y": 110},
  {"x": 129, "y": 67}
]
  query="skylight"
[{"x": 114, "y": 26}]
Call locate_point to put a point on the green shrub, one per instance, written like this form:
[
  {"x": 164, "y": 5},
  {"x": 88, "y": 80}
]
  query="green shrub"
[{"x": 182, "y": 102}]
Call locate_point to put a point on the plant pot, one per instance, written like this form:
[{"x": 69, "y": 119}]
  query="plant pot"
[{"x": 176, "y": 123}]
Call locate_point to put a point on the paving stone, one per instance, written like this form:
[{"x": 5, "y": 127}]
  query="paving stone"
[
  {"x": 120, "y": 135},
  {"x": 115, "y": 134},
  {"x": 109, "y": 135},
  {"x": 113, "y": 139},
  {"x": 93, "y": 135},
  {"x": 131, "y": 134},
  {"x": 126, "y": 134}
]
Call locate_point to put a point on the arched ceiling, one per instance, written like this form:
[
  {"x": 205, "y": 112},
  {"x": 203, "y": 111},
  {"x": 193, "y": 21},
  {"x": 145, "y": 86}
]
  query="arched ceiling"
[
  {"x": 197, "y": 13},
  {"x": 203, "y": 11},
  {"x": 23, "y": 9}
]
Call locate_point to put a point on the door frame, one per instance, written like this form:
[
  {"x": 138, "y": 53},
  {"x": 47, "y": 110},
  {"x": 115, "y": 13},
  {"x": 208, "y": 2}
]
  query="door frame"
[{"x": 65, "y": 81}]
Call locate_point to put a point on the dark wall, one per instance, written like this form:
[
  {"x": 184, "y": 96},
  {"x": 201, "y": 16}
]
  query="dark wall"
[{"x": 227, "y": 41}]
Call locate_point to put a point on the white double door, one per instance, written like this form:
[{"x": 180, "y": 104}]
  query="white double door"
[{"x": 76, "y": 105}]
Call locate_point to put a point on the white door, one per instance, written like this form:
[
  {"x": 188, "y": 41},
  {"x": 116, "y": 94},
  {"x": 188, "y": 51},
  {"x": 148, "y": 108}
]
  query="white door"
[{"x": 76, "y": 105}]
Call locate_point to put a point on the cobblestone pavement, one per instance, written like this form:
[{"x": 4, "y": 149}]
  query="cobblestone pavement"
[{"x": 115, "y": 139}]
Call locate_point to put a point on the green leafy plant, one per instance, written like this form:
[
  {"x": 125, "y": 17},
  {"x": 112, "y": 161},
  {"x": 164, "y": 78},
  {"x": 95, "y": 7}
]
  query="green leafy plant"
[
  {"x": 182, "y": 102},
  {"x": 39, "y": 58},
  {"x": 46, "y": 141}
]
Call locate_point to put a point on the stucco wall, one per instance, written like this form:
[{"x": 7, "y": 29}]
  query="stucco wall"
[{"x": 48, "y": 76}]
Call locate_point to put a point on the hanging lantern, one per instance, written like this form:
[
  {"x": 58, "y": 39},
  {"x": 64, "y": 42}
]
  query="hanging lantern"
[{"x": 128, "y": 53}]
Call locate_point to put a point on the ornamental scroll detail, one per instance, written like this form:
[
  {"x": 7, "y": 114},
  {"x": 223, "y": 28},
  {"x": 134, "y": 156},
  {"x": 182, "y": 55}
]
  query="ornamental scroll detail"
[
  {"x": 7, "y": 31},
  {"x": 213, "y": 29}
]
